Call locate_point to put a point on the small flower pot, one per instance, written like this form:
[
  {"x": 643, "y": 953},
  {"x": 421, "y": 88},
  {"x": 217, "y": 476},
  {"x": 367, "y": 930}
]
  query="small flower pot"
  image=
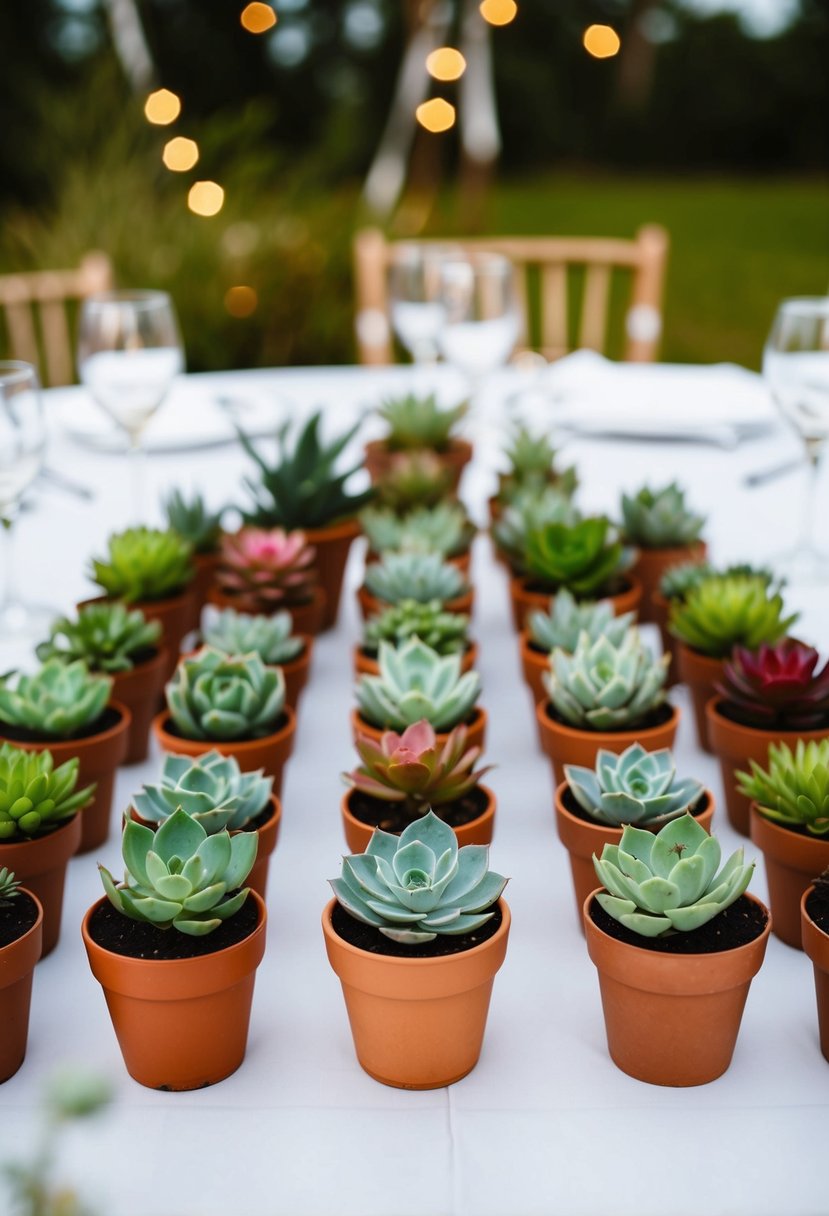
[
  {"x": 564, "y": 744},
  {"x": 816, "y": 947},
  {"x": 660, "y": 615},
  {"x": 475, "y": 831},
  {"x": 181, "y": 1023},
  {"x": 270, "y": 753},
  {"x": 793, "y": 861},
  {"x": 296, "y": 671},
  {"x": 206, "y": 566},
  {"x": 701, "y": 673},
  {"x": 528, "y": 595},
  {"x": 379, "y": 459},
  {"x": 18, "y": 958},
  {"x": 305, "y": 618},
  {"x": 40, "y": 865},
  {"x": 673, "y": 1019},
  {"x": 534, "y": 662},
  {"x": 371, "y": 606},
  {"x": 140, "y": 689},
  {"x": 332, "y": 544},
  {"x": 366, "y": 665},
  {"x": 651, "y": 564},
  {"x": 475, "y": 725},
  {"x": 176, "y": 615},
  {"x": 417, "y": 1023}
]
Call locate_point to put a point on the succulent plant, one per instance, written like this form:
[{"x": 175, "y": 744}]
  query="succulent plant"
[
  {"x": 180, "y": 877},
  {"x": 667, "y": 882},
  {"x": 214, "y": 696},
  {"x": 9, "y": 888},
  {"x": 36, "y": 797},
  {"x": 416, "y": 682},
  {"x": 267, "y": 568},
  {"x": 270, "y": 637},
  {"x": 414, "y": 576},
  {"x": 58, "y": 701},
  {"x": 443, "y": 529},
  {"x": 729, "y": 610},
  {"x": 419, "y": 422},
  {"x": 532, "y": 461},
  {"x": 659, "y": 519},
  {"x": 794, "y": 788},
  {"x": 417, "y": 885},
  {"x": 107, "y": 635},
  {"x": 192, "y": 520},
  {"x": 303, "y": 489},
  {"x": 637, "y": 787},
  {"x": 776, "y": 687},
  {"x": 568, "y": 619},
  {"x": 144, "y": 564},
  {"x": 413, "y": 479},
  {"x": 585, "y": 557},
  {"x": 530, "y": 508},
  {"x": 210, "y": 788},
  {"x": 445, "y": 632},
  {"x": 679, "y": 580},
  {"x": 605, "y": 687}
]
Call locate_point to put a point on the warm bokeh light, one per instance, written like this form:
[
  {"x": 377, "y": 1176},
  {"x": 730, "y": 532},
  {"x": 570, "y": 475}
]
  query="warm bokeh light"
[
  {"x": 241, "y": 301},
  {"x": 258, "y": 18},
  {"x": 445, "y": 63},
  {"x": 162, "y": 107},
  {"x": 436, "y": 115},
  {"x": 498, "y": 12},
  {"x": 601, "y": 41},
  {"x": 206, "y": 198},
  {"x": 180, "y": 154}
]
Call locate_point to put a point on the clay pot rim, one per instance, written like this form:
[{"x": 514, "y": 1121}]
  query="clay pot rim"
[
  {"x": 489, "y": 809},
  {"x": 633, "y": 734},
  {"x": 632, "y": 584},
  {"x": 262, "y": 740},
  {"x": 774, "y": 828},
  {"x": 455, "y": 444},
  {"x": 479, "y": 714},
  {"x": 345, "y": 526},
  {"x": 183, "y": 594},
  {"x": 695, "y": 546},
  {"x": 465, "y": 600},
  {"x": 18, "y": 942},
  {"x": 758, "y": 734},
  {"x": 219, "y": 592},
  {"x": 304, "y": 655},
  {"x": 120, "y": 727},
  {"x": 815, "y": 940},
  {"x": 603, "y": 828}
]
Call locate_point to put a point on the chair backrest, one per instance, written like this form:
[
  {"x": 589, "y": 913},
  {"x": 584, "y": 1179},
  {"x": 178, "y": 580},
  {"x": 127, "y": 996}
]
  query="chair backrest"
[
  {"x": 34, "y": 308},
  {"x": 549, "y": 270}
]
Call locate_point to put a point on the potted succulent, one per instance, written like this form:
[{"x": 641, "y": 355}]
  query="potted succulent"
[
  {"x": 213, "y": 790},
  {"x": 635, "y": 787},
  {"x": 175, "y": 948},
  {"x": 121, "y": 643},
  {"x": 666, "y": 534},
  {"x": 790, "y": 823},
  {"x": 413, "y": 576},
  {"x": 304, "y": 490},
  {"x": 66, "y": 710},
  {"x": 405, "y": 775},
  {"x": 234, "y": 704},
  {"x": 271, "y": 637},
  {"x": 532, "y": 466},
  {"x": 40, "y": 827},
  {"x": 676, "y": 942},
  {"x": 414, "y": 480},
  {"x": 151, "y": 570},
  {"x": 443, "y": 631},
  {"x": 416, "y": 933},
  {"x": 444, "y": 528},
  {"x": 603, "y": 696},
  {"x": 21, "y": 939},
  {"x": 416, "y": 682},
  {"x": 674, "y": 585},
  {"x": 418, "y": 424},
  {"x": 814, "y": 915},
  {"x": 262, "y": 571},
  {"x": 530, "y": 508},
  {"x": 203, "y": 530},
  {"x": 772, "y": 695}
]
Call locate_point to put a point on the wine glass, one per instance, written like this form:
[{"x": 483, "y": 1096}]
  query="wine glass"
[
  {"x": 417, "y": 313},
  {"x": 796, "y": 367},
  {"x": 129, "y": 353},
  {"x": 481, "y": 314}
]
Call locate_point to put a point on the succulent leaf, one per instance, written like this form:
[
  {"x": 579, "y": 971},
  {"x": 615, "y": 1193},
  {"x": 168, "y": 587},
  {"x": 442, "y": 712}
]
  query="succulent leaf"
[
  {"x": 724, "y": 611},
  {"x": 584, "y": 557},
  {"x": 144, "y": 564},
  {"x": 57, "y": 702},
  {"x": 659, "y": 519},
  {"x": 568, "y": 618},
  {"x": 606, "y": 687},
  {"x": 414, "y": 683},
  {"x": 265, "y": 569},
  {"x": 107, "y": 636},
  {"x": 777, "y": 687},
  {"x": 213, "y": 696},
  {"x": 416, "y": 422},
  {"x": 793, "y": 789},
  {"x": 637, "y": 787},
  {"x": 211, "y": 789},
  {"x": 414, "y": 576}
]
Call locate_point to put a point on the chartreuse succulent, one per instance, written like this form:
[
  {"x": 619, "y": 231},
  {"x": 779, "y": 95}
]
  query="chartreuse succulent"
[
  {"x": 36, "y": 797},
  {"x": 57, "y": 702},
  {"x": 586, "y": 557},
  {"x": 108, "y": 636},
  {"x": 679, "y": 580},
  {"x": 637, "y": 787},
  {"x": 667, "y": 882},
  {"x": 793, "y": 789},
  {"x": 416, "y": 682},
  {"x": 210, "y": 788},
  {"x": 419, "y": 422},
  {"x": 532, "y": 464},
  {"x": 443, "y": 529},
  {"x": 528, "y": 510},
  {"x": 9, "y": 887},
  {"x": 727, "y": 611},
  {"x": 216, "y": 696},
  {"x": 605, "y": 687},
  {"x": 144, "y": 564},
  {"x": 660, "y": 519},
  {"x": 414, "y": 576},
  {"x": 419, "y": 885},
  {"x": 568, "y": 619},
  {"x": 180, "y": 877},
  {"x": 192, "y": 520},
  {"x": 446, "y": 632},
  {"x": 270, "y": 637}
]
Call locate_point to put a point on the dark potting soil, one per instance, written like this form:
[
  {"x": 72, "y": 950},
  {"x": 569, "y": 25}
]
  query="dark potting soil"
[
  {"x": 16, "y": 918},
  {"x": 19, "y": 734},
  {"x": 616, "y": 587},
  {"x": 817, "y": 906},
  {"x": 732, "y": 714},
  {"x": 113, "y": 931},
  {"x": 737, "y": 925},
  {"x": 659, "y": 717},
  {"x": 578, "y": 812},
  {"x": 369, "y": 652},
  {"x": 392, "y": 817},
  {"x": 169, "y": 726},
  {"x": 366, "y": 937}
]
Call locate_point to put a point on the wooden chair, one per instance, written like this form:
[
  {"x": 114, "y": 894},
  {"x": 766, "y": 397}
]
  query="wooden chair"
[
  {"x": 34, "y": 307},
  {"x": 550, "y": 270}
]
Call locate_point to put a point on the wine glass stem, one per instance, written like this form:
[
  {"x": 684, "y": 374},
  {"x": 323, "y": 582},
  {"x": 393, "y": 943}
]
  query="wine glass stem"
[
  {"x": 137, "y": 460},
  {"x": 807, "y": 527},
  {"x": 8, "y": 589}
]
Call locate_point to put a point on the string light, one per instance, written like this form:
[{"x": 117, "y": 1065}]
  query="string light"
[
  {"x": 445, "y": 63},
  {"x": 206, "y": 198},
  {"x": 498, "y": 12},
  {"x": 241, "y": 301},
  {"x": 258, "y": 18},
  {"x": 162, "y": 107},
  {"x": 601, "y": 41},
  {"x": 436, "y": 115},
  {"x": 180, "y": 154}
]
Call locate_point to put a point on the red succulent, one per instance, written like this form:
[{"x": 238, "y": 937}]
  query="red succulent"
[{"x": 777, "y": 687}]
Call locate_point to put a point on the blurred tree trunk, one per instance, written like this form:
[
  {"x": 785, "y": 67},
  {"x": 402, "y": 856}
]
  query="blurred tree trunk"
[
  {"x": 478, "y": 114},
  {"x": 636, "y": 59},
  {"x": 130, "y": 43}
]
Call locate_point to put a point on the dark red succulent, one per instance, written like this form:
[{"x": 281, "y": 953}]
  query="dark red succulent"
[{"x": 777, "y": 687}]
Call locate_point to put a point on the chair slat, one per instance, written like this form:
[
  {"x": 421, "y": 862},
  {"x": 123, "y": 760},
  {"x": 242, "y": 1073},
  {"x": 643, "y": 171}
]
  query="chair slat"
[
  {"x": 594, "y": 307},
  {"x": 554, "y": 309}
]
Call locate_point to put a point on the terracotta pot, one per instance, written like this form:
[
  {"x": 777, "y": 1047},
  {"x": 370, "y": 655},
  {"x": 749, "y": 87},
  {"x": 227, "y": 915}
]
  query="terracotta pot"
[
  {"x": 206, "y": 565},
  {"x": 181, "y": 1023},
  {"x": 40, "y": 865},
  {"x": 305, "y": 618},
  {"x": 17, "y": 964},
  {"x": 660, "y": 614},
  {"x": 364, "y": 665},
  {"x": 176, "y": 615},
  {"x": 583, "y": 839},
  {"x": 270, "y": 753},
  {"x": 417, "y": 1023},
  {"x": 379, "y": 459},
  {"x": 371, "y": 606},
  {"x": 524, "y": 600},
  {"x": 332, "y": 544},
  {"x": 533, "y": 665},
  {"x": 816, "y": 947},
  {"x": 297, "y": 670},
  {"x": 476, "y": 736},
  {"x": 793, "y": 862},
  {"x": 672, "y": 1019},
  {"x": 700, "y": 673},
  {"x": 477, "y": 831},
  {"x": 651, "y": 564},
  {"x": 735, "y": 745},
  {"x": 140, "y": 690},
  {"x": 568, "y": 745}
]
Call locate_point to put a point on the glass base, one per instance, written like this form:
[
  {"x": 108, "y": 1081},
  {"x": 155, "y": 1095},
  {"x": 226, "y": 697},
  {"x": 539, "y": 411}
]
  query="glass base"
[
  {"x": 805, "y": 566},
  {"x": 22, "y": 626}
]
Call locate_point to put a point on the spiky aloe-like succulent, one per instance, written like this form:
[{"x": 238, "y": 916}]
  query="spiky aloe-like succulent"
[
  {"x": 107, "y": 636},
  {"x": 192, "y": 520},
  {"x": 270, "y": 637},
  {"x": 144, "y": 564},
  {"x": 660, "y": 519},
  {"x": 532, "y": 464},
  {"x": 214, "y": 696},
  {"x": 36, "y": 797},
  {"x": 416, "y": 682},
  {"x": 413, "y": 479},
  {"x": 267, "y": 568},
  {"x": 419, "y": 422},
  {"x": 794, "y": 787},
  {"x": 303, "y": 489},
  {"x": 414, "y": 576},
  {"x": 586, "y": 557},
  {"x": 777, "y": 687},
  {"x": 57, "y": 702},
  {"x": 446, "y": 632},
  {"x": 568, "y": 619},
  {"x": 605, "y": 687},
  {"x": 180, "y": 877},
  {"x": 638, "y": 787},
  {"x": 729, "y": 610},
  {"x": 443, "y": 529},
  {"x": 9, "y": 888},
  {"x": 417, "y": 885},
  {"x": 530, "y": 508},
  {"x": 210, "y": 788},
  {"x": 667, "y": 882}
]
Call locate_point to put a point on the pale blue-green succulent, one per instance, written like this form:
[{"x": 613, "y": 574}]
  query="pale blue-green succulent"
[
  {"x": 270, "y": 637},
  {"x": 605, "y": 687},
  {"x": 659, "y": 519},
  {"x": 214, "y": 696},
  {"x": 530, "y": 508},
  {"x": 637, "y": 787},
  {"x": 443, "y": 528},
  {"x": 568, "y": 618},
  {"x": 414, "y": 576},
  {"x": 416, "y": 682},
  {"x": 58, "y": 701},
  {"x": 210, "y": 788}
]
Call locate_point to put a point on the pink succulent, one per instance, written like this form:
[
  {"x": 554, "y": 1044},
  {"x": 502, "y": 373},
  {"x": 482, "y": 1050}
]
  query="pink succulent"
[
  {"x": 267, "y": 568},
  {"x": 777, "y": 686}
]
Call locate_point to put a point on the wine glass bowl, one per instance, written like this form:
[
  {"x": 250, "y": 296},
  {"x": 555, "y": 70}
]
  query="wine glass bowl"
[
  {"x": 481, "y": 313},
  {"x": 417, "y": 312}
]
